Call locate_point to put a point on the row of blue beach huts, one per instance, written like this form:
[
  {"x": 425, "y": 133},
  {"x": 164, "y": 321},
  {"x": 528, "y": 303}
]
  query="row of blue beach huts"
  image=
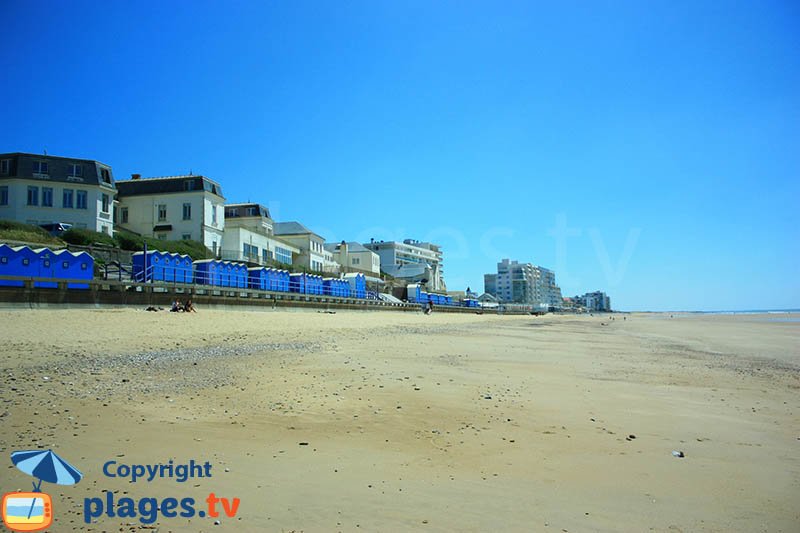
[
  {"x": 45, "y": 263},
  {"x": 415, "y": 294},
  {"x": 155, "y": 265},
  {"x": 168, "y": 267}
]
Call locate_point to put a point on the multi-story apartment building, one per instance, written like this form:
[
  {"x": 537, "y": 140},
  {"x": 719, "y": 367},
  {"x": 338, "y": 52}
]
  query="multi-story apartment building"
[
  {"x": 354, "y": 257},
  {"x": 249, "y": 236},
  {"x": 45, "y": 189},
  {"x": 413, "y": 260},
  {"x": 524, "y": 283},
  {"x": 312, "y": 254},
  {"x": 173, "y": 208},
  {"x": 550, "y": 291},
  {"x": 594, "y": 301}
]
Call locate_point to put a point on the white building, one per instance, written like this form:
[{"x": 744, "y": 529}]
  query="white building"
[
  {"x": 44, "y": 189},
  {"x": 411, "y": 260},
  {"x": 594, "y": 301},
  {"x": 249, "y": 236},
  {"x": 173, "y": 208},
  {"x": 524, "y": 283},
  {"x": 354, "y": 257},
  {"x": 312, "y": 253}
]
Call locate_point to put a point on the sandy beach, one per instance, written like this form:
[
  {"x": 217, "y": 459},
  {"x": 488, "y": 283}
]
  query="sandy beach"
[{"x": 403, "y": 422}]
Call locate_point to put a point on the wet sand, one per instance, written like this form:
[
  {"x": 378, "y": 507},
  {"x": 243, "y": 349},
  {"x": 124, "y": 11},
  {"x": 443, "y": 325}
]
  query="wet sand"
[{"x": 414, "y": 423}]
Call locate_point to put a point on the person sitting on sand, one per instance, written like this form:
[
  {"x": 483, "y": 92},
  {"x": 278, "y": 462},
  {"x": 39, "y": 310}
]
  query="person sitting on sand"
[
  {"x": 176, "y": 307},
  {"x": 189, "y": 307}
]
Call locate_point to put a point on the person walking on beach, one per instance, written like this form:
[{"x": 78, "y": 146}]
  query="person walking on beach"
[{"x": 429, "y": 308}]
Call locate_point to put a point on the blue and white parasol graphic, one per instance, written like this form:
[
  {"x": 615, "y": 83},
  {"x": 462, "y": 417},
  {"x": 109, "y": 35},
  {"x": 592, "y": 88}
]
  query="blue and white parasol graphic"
[{"x": 45, "y": 465}]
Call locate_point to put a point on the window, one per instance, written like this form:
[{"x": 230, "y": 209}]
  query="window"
[
  {"x": 75, "y": 170},
  {"x": 187, "y": 211},
  {"x": 162, "y": 236},
  {"x": 5, "y": 165},
  {"x": 81, "y": 200},
  {"x": 26, "y": 261},
  {"x": 47, "y": 196},
  {"x": 355, "y": 260},
  {"x": 33, "y": 195},
  {"x": 283, "y": 255},
  {"x": 124, "y": 215},
  {"x": 188, "y": 185},
  {"x": 4, "y": 195},
  {"x": 250, "y": 250},
  {"x": 40, "y": 167},
  {"x": 266, "y": 255},
  {"x": 105, "y": 203},
  {"x": 162, "y": 212},
  {"x": 67, "y": 198},
  {"x": 4, "y": 260},
  {"x": 186, "y": 236},
  {"x": 105, "y": 175},
  {"x": 214, "y": 215}
]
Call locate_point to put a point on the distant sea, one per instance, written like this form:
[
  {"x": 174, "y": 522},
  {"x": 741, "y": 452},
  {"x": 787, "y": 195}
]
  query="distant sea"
[
  {"x": 744, "y": 312},
  {"x": 779, "y": 314}
]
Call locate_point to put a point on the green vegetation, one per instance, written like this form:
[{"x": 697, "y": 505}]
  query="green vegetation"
[
  {"x": 85, "y": 237},
  {"x": 133, "y": 242},
  {"x": 17, "y": 231}
]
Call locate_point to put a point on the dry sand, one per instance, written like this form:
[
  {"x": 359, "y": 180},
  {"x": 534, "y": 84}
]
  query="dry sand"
[{"x": 415, "y": 423}]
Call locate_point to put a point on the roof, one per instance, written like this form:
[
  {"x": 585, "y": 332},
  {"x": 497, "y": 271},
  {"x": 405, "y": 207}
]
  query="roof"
[
  {"x": 168, "y": 184},
  {"x": 352, "y": 246},
  {"x": 244, "y": 210},
  {"x": 290, "y": 228},
  {"x": 72, "y": 170}
]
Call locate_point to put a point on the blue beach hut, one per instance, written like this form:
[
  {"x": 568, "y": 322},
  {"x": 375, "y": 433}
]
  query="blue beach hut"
[
  {"x": 78, "y": 266},
  {"x": 154, "y": 261},
  {"x": 297, "y": 283},
  {"x": 206, "y": 272},
  {"x": 242, "y": 276},
  {"x": 17, "y": 261},
  {"x": 257, "y": 278}
]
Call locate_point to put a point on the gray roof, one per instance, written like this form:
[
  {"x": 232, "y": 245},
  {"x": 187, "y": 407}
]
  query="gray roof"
[
  {"x": 352, "y": 246},
  {"x": 290, "y": 228},
  {"x": 59, "y": 169},
  {"x": 246, "y": 210},
  {"x": 168, "y": 184}
]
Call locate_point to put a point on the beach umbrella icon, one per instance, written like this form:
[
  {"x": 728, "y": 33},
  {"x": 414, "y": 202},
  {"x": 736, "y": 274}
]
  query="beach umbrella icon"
[{"x": 45, "y": 465}]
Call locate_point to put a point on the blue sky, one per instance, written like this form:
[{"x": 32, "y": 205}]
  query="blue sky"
[{"x": 648, "y": 149}]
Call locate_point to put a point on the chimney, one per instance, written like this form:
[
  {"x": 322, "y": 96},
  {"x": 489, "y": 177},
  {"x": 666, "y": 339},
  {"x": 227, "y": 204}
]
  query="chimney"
[{"x": 135, "y": 176}]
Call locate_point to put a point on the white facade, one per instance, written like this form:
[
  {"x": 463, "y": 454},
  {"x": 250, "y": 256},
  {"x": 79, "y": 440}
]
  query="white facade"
[
  {"x": 243, "y": 244},
  {"x": 95, "y": 214},
  {"x": 395, "y": 255},
  {"x": 524, "y": 283},
  {"x": 312, "y": 247},
  {"x": 40, "y": 189},
  {"x": 353, "y": 256},
  {"x": 249, "y": 236},
  {"x": 167, "y": 214}
]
